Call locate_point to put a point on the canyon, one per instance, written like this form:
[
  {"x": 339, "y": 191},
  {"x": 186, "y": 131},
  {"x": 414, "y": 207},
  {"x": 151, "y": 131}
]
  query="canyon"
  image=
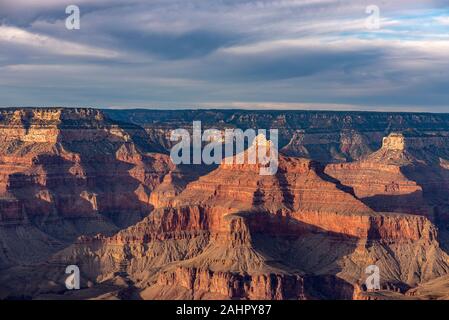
[{"x": 97, "y": 189}]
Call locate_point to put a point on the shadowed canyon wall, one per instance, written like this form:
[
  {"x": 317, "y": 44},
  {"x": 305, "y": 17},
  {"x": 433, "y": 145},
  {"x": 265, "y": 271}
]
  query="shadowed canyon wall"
[{"x": 98, "y": 189}]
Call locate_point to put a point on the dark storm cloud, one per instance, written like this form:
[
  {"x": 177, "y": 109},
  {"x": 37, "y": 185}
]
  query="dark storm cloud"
[
  {"x": 286, "y": 64},
  {"x": 191, "y": 44}
]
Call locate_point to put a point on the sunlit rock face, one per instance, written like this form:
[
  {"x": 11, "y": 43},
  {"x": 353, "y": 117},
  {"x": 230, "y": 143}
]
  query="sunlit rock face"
[
  {"x": 394, "y": 141},
  {"x": 79, "y": 187},
  {"x": 235, "y": 234},
  {"x": 70, "y": 172}
]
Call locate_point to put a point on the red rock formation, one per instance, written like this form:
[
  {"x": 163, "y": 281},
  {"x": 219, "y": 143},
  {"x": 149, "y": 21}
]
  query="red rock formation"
[
  {"x": 75, "y": 163},
  {"x": 217, "y": 239},
  {"x": 379, "y": 179},
  {"x": 205, "y": 284},
  {"x": 70, "y": 172},
  {"x": 230, "y": 234}
]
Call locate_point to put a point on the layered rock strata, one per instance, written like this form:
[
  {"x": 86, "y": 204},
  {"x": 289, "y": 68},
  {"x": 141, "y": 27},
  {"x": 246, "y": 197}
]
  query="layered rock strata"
[
  {"x": 71, "y": 172},
  {"x": 236, "y": 234},
  {"x": 147, "y": 229}
]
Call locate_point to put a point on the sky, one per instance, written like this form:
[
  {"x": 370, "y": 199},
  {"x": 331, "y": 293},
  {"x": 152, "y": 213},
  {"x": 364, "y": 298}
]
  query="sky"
[{"x": 264, "y": 54}]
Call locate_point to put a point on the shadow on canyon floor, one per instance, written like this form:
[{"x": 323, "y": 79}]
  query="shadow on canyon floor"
[
  {"x": 296, "y": 246},
  {"x": 412, "y": 203}
]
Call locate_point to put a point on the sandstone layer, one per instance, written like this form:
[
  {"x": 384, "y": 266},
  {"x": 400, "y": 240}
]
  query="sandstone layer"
[
  {"x": 70, "y": 172},
  {"x": 234, "y": 234},
  {"x": 79, "y": 187}
]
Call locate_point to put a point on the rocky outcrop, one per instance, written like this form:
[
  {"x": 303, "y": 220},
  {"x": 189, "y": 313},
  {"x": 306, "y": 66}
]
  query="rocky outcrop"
[
  {"x": 204, "y": 284},
  {"x": 235, "y": 234},
  {"x": 324, "y": 136},
  {"x": 384, "y": 227},
  {"x": 72, "y": 172},
  {"x": 147, "y": 229},
  {"x": 381, "y": 179}
]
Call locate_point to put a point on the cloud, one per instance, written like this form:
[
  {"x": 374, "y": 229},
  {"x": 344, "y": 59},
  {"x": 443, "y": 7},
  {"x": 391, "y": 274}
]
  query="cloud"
[
  {"x": 443, "y": 20},
  {"x": 194, "y": 52},
  {"x": 16, "y": 36}
]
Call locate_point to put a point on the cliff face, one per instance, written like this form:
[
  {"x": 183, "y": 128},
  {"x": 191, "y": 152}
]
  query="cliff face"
[
  {"x": 80, "y": 188},
  {"x": 72, "y": 172},
  {"x": 235, "y": 234},
  {"x": 407, "y": 174},
  {"x": 381, "y": 179},
  {"x": 324, "y": 136}
]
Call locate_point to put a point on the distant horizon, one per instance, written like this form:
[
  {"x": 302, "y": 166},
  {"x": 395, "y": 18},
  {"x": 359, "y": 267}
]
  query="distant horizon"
[{"x": 225, "y": 109}]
